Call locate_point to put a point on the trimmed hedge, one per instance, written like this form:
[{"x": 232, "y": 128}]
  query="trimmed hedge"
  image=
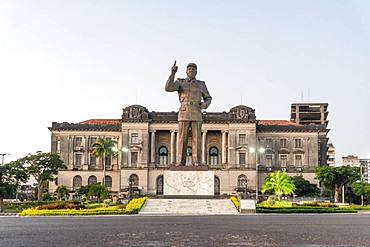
[
  {"x": 133, "y": 207},
  {"x": 303, "y": 210},
  {"x": 235, "y": 202}
]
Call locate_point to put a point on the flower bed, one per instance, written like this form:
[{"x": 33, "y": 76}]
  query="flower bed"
[{"x": 133, "y": 207}]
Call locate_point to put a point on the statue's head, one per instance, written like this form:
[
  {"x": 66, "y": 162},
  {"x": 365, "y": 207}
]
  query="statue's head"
[{"x": 191, "y": 70}]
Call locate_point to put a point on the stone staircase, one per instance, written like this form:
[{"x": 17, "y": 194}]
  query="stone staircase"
[{"x": 188, "y": 207}]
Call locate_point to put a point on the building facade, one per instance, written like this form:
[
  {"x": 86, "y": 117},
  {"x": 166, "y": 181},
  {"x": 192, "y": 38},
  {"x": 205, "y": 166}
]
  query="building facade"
[
  {"x": 331, "y": 155},
  {"x": 239, "y": 148},
  {"x": 363, "y": 164}
]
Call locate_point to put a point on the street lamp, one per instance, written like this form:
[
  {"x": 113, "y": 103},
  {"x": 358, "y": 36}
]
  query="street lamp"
[
  {"x": 130, "y": 183},
  {"x": 125, "y": 150},
  {"x": 260, "y": 150},
  {"x": 2, "y": 158}
]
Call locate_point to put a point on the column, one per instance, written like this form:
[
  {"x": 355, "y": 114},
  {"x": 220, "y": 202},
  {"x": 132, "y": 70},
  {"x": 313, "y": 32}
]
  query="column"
[
  {"x": 177, "y": 148},
  {"x": 172, "y": 151},
  {"x": 223, "y": 151},
  {"x": 152, "y": 147},
  {"x": 204, "y": 135}
]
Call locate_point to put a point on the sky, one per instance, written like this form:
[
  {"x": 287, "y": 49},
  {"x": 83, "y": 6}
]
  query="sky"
[{"x": 69, "y": 61}]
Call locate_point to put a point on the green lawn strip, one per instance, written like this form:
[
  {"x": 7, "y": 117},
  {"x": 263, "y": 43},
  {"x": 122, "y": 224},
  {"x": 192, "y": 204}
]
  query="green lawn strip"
[
  {"x": 360, "y": 208},
  {"x": 133, "y": 207},
  {"x": 17, "y": 207}
]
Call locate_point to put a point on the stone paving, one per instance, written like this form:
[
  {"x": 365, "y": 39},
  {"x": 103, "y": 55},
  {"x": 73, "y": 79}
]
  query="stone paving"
[{"x": 188, "y": 207}]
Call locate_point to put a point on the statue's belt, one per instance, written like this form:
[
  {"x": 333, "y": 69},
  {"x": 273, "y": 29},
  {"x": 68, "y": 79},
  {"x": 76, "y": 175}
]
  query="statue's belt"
[{"x": 191, "y": 103}]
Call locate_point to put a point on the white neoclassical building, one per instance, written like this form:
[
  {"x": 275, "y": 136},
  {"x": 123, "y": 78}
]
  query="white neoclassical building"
[{"x": 233, "y": 142}]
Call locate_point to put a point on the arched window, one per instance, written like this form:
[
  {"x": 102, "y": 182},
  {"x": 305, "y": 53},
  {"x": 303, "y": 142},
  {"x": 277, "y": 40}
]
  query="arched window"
[
  {"x": 108, "y": 181},
  {"x": 163, "y": 155},
  {"x": 160, "y": 185},
  {"x": 134, "y": 180},
  {"x": 213, "y": 156},
  {"x": 242, "y": 181},
  {"x": 77, "y": 182},
  {"x": 188, "y": 156},
  {"x": 217, "y": 185},
  {"x": 92, "y": 180}
]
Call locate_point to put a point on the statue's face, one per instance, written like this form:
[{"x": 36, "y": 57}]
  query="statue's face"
[{"x": 191, "y": 72}]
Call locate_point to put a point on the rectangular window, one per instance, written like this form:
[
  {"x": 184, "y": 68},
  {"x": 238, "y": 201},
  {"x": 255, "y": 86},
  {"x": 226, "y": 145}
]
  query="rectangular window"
[
  {"x": 298, "y": 160},
  {"x": 268, "y": 160},
  {"x": 92, "y": 162},
  {"x": 298, "y": 143},
  {"x": 283, "y": 143},
  {"x": 78, "y": 141},
  {"x": 242, "y": 158},
  {"x": 58, "y": 146},
  {"x": 283, "y": 160},
  {"x": 108, "y": 162},
  {"x": 134, "y": 158},
  {"x": 78, "y": 159},
  {"x": 242, "y": 139},
  {"x": 92, "y": 141},
  {"x": 269, "y": 143},
  {"x": 134, "y": 138}
]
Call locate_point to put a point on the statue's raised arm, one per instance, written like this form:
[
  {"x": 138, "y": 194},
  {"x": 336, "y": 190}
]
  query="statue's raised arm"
[{"x": 171, "y": 84}]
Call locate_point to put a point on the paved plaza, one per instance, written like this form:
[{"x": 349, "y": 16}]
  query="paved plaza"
[{"x": 251, "y": 230}]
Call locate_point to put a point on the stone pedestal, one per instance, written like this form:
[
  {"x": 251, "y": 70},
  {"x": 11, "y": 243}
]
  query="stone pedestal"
[
  {"x": 187, "y": 183},
  {"x": 247, "y": 206}
]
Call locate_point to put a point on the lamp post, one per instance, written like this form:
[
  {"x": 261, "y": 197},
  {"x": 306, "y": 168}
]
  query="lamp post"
[
  {"x": 260, "y": 150},
  {"x": 130, "y": 183},
  {"x": 2, "y": 158},
  {"x": 124, "y": 150}
]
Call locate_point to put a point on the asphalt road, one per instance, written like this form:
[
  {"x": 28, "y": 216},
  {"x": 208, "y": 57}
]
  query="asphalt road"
[{"x": 249, "y": 230}]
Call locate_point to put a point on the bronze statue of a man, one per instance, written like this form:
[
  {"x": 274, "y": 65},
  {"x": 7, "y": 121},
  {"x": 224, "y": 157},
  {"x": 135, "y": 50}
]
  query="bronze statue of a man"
[{"x": 191, "y": 92}]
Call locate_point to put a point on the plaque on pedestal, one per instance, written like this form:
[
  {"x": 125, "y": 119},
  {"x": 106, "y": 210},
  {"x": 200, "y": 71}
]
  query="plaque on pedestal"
[{"x": 187, "y": 183}]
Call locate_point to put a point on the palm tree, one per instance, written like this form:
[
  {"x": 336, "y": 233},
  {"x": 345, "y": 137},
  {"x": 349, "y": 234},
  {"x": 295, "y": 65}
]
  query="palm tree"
[
  {"x": 280, "y": 183},
  {"x": 104, "y": 148}
]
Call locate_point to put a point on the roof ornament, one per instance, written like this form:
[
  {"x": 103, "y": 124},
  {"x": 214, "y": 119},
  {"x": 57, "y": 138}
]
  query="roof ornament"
[
  {"x": 135, "y": 112},
  {"x": 242, "y": 113}
]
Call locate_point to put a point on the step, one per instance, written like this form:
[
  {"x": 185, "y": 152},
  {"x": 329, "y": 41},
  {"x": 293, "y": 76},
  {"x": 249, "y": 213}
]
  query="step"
[{"x": 188, "y": 207}]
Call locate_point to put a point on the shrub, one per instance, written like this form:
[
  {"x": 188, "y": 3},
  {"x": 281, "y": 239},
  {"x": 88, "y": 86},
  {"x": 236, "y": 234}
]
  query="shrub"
[
  {"x": 235, "y": 202},
  {"x": 134, "y": 206},
  {"x": 302, "y": 210},
  {"x": 271, "y": 200},
  {"x": 277, "y": 204},
  {"x": 46, "y": 197},
  {"x": 59, "y": 205}
]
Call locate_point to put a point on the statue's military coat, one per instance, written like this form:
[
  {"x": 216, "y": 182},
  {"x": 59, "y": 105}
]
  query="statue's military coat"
[{"x": 191, "y": 93}]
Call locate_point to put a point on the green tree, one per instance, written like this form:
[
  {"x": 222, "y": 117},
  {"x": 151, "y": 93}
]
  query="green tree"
[
  {"x": 43, "y": 167},
  {"x": 304, "y": 187},
  {"x": 278, "y": 182},
  {"x": 11, "y": 176},
  {"x": 334, "y": 178},
  {"x": 104, "y": 148},
  {"x": 62, "y": 192},
  {"x": 361, "y": 189},
  {"x": 98, "y": 191}
]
